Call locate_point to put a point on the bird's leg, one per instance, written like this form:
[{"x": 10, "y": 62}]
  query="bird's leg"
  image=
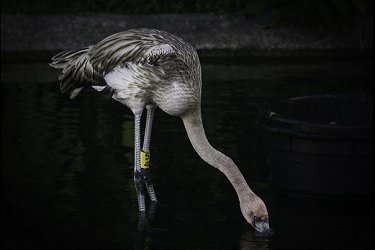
[
  {"x": 146, "y": 172},
  {"x": 138, "y": 178}
]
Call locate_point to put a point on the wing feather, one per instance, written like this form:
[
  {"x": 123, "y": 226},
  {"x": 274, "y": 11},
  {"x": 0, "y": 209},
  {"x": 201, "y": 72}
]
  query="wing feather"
[{"x": 88, "y": 66}]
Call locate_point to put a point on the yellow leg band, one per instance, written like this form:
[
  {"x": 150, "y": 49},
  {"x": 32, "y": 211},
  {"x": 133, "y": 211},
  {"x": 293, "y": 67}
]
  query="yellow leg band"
[{"x": 145, "y": 159}]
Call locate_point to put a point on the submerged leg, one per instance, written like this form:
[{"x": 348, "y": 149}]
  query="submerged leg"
[
  {"x": 138, "y": 178},
  {"x": 146, "y": 148}
]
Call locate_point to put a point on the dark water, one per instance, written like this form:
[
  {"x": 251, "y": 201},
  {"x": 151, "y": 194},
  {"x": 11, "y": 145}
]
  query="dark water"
[{"x": 67, "y": 165}]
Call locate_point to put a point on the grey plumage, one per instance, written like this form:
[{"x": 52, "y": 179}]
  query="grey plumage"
[
  {"x": 151, "y": 68},
  {"x": 157, "y": 55}
]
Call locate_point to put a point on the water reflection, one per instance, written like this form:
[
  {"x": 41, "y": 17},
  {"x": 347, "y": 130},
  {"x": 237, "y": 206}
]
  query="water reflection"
[
  {"x": 67, "y": 165},
  {"x": 255, "y": 240},
  {"x": 144, "y": 227}
]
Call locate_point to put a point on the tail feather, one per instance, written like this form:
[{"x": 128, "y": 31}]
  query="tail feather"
[
  {"x": 61, "y": 59},
  {"x": 72, "y": 76}
]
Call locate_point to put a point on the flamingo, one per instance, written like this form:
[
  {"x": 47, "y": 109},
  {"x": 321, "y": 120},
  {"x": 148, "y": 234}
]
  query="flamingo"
[{"x": 148, "y": 68}]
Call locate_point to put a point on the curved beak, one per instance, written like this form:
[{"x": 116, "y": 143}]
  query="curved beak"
[{"x": 260, "y": 225}]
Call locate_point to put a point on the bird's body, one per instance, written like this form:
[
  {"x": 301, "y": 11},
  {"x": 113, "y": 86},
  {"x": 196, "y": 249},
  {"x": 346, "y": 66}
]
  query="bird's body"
[
  {"x": 151, "y": 68},
  {"x": 138, "y": 67}
]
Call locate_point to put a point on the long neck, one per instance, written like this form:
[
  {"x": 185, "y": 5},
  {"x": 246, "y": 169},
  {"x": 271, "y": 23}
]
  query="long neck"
[{"x": 194, "y": 127}]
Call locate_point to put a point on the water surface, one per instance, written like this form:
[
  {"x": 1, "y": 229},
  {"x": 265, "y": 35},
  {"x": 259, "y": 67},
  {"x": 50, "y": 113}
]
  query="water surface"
[{"x": 67, "y": 165}]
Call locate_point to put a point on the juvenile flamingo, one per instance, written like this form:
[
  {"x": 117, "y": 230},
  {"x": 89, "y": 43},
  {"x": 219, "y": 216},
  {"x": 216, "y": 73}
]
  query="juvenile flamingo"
[{"x": 151, "y": 68}]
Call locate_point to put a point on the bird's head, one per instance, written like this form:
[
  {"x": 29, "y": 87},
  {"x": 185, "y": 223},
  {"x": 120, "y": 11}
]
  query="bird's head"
[{"x": 255, "y": 212}]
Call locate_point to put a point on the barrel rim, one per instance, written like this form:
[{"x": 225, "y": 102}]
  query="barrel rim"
[{"x": 277, "y": 123}]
